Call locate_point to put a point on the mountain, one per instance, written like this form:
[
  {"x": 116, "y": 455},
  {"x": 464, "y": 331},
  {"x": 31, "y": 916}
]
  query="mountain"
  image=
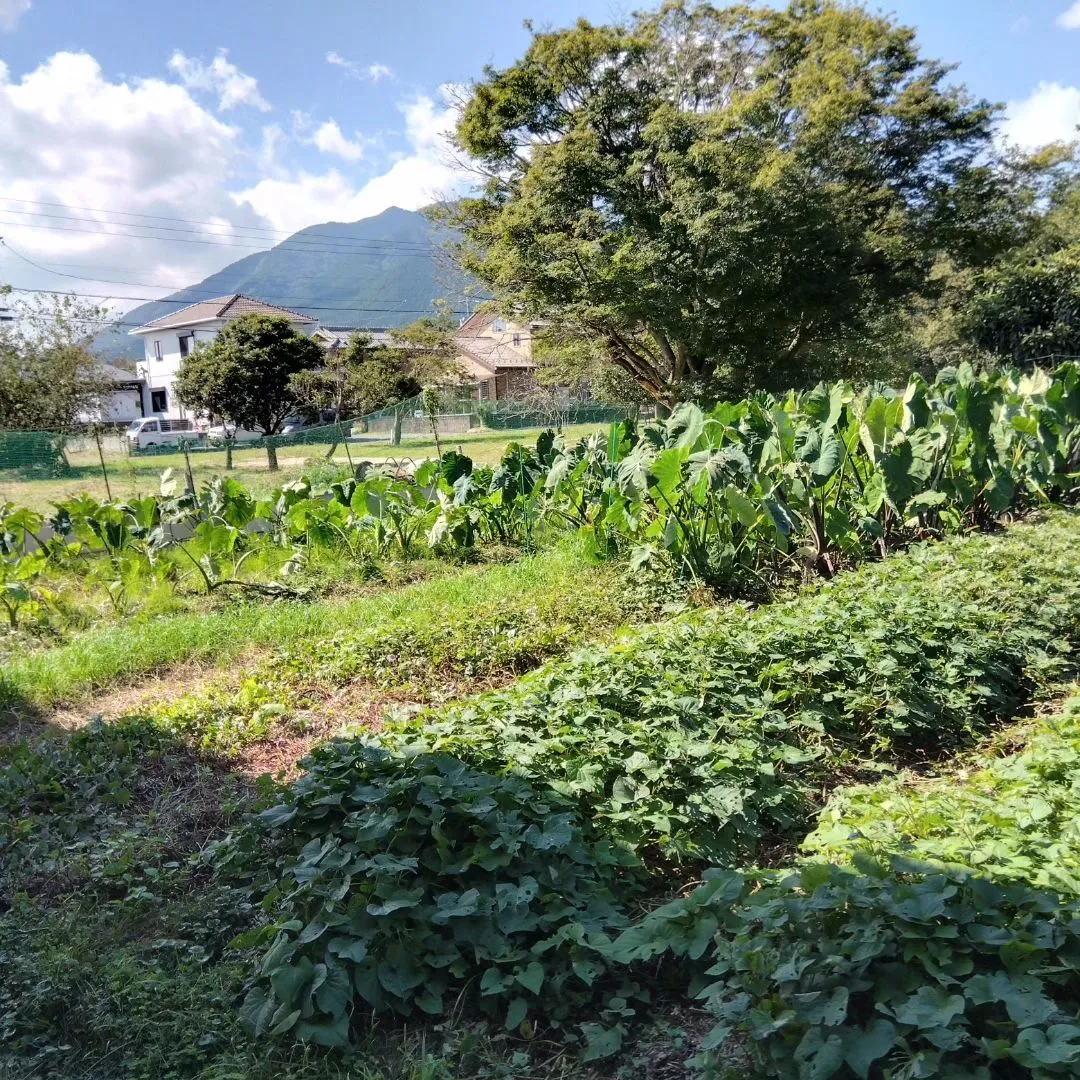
[{"x": 384, "y": 270}]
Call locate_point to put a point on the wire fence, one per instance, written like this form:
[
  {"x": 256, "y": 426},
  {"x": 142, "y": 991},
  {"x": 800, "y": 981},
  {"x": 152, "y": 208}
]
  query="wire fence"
[{"x": 26, "y": 456}]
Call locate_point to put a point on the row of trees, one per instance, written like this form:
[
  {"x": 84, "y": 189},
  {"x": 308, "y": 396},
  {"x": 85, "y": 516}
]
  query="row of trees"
[
  {"x": 255, "y": 374},
  {"x": 711, "y": 200}
]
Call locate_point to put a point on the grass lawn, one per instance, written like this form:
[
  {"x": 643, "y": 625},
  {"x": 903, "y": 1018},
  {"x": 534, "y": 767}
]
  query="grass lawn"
[
  {"x": 133, "y": 476},
  {"x": 107, "y": 656}
]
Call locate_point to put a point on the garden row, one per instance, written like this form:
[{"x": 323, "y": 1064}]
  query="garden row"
[
  {"x": 963, "y": 963},
  {"x": 490, "y": 851},
  {"x": 740, "y": 497}
]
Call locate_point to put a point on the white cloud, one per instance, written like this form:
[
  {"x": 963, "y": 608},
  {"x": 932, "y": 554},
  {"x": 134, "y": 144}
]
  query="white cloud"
[
  {"x": 222, "y": 77},
  {"x": 11, "y": 11},
  {"x": 374, "y": 72},
  {"x": 424, "y": 174},
  {"x": 1070, "y": 18},
  {"x": 329, "y": 139},
  {"x": 75, "y": 139},
  {"x": 1049, "y": 114}
]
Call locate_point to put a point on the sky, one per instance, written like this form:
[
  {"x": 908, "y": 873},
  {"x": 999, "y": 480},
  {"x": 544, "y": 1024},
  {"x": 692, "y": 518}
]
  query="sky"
[{"x": 145, "y": 145}]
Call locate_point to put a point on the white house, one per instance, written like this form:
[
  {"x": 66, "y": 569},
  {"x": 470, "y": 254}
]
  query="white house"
[{"x": 169, "y": 339}]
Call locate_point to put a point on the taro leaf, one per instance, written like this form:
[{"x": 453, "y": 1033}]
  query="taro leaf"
[
  {"x": 494, "y": 981},
  {"x": 330, "y": 1034},
  {"x": 588, "y": 970},
  {"x": 601, "y": 1041},
  {"x": 830, "y": 454},
  {"x": 256, "y": 1011},
  {"x": 278, "y": 815},
  {"x": 873, "y": 429},
  {"x": 665, "y": 472},
  {"x": 532, "y": 977},
  {"x": 821, "y": 1008},
  {"x": 354, "y": 949},
  {"x": 430, "y": 1003},
  {"x": 292, "y": 983},
  {"x": 1026, "y": 1008},
  {"x": 396, "y": 903},
  {"x": 335, "y": 993},
  {"x": 282, "y": 1024},
  {"x": 740, "y": 507},
  {"x": 867, "y": 1045},
  {"x": 454, "y": 905},
  {"x": 685, "y": 425}
]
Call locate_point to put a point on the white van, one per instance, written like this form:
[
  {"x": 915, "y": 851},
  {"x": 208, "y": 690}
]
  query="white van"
[{"x": 156, "y": 431}]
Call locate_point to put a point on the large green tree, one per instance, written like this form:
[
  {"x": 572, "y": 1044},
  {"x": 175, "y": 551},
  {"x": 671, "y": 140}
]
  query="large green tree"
[
  {"x": 719, "y": 196},
  {"x": 1025, "y": 307},
  {"x": 245, "y": 375}
]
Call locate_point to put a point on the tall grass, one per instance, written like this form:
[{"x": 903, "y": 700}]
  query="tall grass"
[{"x": 115, "y": 655}]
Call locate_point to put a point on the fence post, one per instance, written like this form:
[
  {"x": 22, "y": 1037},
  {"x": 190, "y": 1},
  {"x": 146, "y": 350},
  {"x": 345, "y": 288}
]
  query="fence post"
[
  {"x": 101, "y": 458},
  {"x": 187, "y": 466}
]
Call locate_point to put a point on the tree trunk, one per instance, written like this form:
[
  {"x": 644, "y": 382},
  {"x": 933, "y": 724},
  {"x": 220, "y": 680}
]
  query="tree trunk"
[
  {"x": 271, "y": 456},
  {"x": 228, "y": 453}
]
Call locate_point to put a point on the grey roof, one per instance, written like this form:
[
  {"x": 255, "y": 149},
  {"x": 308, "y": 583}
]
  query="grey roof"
[{"x": 222, "y": 307}]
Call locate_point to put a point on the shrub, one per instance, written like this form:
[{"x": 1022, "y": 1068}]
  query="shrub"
[
  {"x": 416, "y": 878},
  {"x": 893, "y": 973}
]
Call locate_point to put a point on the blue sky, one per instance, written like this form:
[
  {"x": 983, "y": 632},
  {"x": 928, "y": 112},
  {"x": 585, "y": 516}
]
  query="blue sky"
[{"x": 262, "y": 116}]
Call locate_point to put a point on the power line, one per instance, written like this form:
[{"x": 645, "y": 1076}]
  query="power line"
[
  {"x": 291, "y": 245},
  {"x": 196, "y": 221},
  {"x": 269, "y": 236},
  {"x": 191, "y": 295},
  {"x": 344, "y": 306}
]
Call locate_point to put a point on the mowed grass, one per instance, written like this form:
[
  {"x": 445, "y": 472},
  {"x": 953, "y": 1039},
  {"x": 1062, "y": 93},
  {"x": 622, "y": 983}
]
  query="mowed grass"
[
  {"x": 116, "y": 655},
  {"x": 134, "y": 476}
]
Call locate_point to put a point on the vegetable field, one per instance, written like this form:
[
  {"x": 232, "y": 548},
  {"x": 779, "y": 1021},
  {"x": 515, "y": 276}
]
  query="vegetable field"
[{"x": 736, "y": 744}]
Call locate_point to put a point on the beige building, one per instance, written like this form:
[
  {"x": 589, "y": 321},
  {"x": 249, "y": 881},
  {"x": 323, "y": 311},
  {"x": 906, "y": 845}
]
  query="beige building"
[{"x": 496, "y": 354}]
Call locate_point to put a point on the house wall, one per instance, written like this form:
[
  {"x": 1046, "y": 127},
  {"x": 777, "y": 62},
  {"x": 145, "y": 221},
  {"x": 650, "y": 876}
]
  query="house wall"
[
  {"x": 160, "y": 374},
  {"x": 119, "y": 407}
]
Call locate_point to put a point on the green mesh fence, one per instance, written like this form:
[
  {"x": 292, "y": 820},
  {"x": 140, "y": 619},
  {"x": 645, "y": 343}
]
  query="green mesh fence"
[{"x": 108, "y": 462}]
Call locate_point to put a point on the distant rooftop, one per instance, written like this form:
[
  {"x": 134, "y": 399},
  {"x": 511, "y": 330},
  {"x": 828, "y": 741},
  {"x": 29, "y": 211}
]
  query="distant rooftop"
[{"x": 222, "y": 307}]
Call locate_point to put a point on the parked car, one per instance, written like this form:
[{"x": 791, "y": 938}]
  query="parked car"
[
  {"x": 158, "y": 431},
  {"x": 219, "y": 433}
]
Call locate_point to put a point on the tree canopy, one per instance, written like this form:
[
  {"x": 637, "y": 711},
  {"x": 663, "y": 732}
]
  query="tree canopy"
[
  {"x": 49, "y": 377},
  {"x": 1025, "y": 307},
  {"x": 358, "y": 379},
  {"x": 719, "y": 196},
  {"x": 245, "y": 374}
]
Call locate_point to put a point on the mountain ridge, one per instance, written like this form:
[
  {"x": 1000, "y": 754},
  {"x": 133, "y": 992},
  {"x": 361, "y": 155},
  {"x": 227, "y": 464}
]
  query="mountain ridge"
[{"x": 384, "y": 270}]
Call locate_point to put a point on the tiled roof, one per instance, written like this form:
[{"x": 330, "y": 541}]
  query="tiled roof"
[
  {"x": 472, "y": 340},
  {"x": 222, "y": 307},
  {"x": 492, "y": 354}
]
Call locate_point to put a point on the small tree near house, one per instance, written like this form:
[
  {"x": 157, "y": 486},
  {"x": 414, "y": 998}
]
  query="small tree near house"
[{"x": 245, "y": 375}]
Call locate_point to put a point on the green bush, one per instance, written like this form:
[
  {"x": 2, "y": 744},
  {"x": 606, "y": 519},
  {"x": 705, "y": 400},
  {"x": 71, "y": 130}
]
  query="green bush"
[
  {"x": 702, "y": 738},
  {"x": 1013, "y": 818},
  {"x": 892, "y": 974},
  {"x": 414, "y": 879}
]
